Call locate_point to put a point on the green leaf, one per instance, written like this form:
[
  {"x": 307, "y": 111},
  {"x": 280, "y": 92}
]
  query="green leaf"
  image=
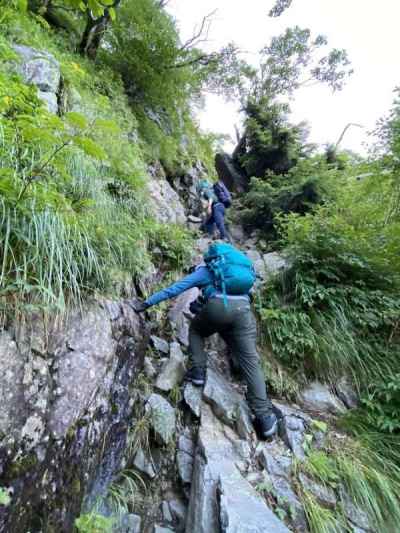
[
  {"x": 113, "y": 14},
  {"x": 90, "y": 147},
  {"x": 5, "y": 498},
  {"x": 76, "y": 120},
  {"x": 320, "y": 426},
  {"x": 23, "y": 5}
]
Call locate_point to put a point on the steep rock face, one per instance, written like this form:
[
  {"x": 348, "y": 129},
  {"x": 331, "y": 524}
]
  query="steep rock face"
[
  {"x": 65, "y": 410},
  {"x": 228, "y": 172},
  {"x": 167, "y": 206},
  {"x": 40, "y": 68}
]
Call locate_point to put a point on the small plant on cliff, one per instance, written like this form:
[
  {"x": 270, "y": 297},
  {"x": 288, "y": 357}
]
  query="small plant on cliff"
[
  {"x": 5, "y": 498},
  {"x": 94, "y": 523}
]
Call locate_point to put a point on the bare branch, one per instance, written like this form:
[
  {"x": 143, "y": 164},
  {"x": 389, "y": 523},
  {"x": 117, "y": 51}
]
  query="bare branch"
[
  {"x": 203, "y": 59},
  {"x": 203, "y": 30},
  {"x": 344, "y": 132},
  {"x": 163, "y": 3}
]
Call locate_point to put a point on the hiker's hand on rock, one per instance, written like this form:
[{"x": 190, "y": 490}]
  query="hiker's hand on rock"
[{"x": 138, "y": 306}]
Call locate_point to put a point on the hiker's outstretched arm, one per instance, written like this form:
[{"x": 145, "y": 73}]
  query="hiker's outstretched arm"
[{"x": 199, "y": 278}]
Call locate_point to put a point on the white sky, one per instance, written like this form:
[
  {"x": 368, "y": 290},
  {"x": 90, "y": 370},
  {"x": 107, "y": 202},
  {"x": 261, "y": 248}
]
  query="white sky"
[{"x": 367, "y": 29}]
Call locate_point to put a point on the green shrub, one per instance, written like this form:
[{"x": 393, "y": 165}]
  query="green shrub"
[
  {"x": 94, "y": 523},
  {"x": 171, "y": 245},
  {"x": 337, "y": 309}
]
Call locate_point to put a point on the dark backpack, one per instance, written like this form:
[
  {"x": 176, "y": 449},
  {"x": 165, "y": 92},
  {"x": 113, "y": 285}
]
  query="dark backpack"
[{"x": 222, "y": 193}]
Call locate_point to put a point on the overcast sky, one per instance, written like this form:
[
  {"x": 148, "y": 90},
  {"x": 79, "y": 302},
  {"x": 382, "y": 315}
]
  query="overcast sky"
[{"x": 367, "y": 29}]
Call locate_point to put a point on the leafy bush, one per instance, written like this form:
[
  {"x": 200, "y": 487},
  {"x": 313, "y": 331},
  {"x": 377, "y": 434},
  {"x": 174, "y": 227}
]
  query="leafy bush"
[
  {"x": 94, "y": 523},
  {"x": 307, "y": 184},
  {"x": 72, "y": 205},
  {"x": 336, "y": 309},
  {"x": 170, "y": 244}
]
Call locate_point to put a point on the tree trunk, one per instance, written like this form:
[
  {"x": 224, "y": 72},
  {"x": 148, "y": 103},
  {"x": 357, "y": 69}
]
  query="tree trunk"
[{"x": 94, "y": 32}]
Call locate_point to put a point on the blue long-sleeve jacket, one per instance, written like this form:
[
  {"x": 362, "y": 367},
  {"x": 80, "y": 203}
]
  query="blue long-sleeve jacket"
[{"x": 200, "y": 278}]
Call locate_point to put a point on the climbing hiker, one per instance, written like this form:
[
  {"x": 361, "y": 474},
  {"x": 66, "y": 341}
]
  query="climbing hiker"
[
  {"x": 225, "y": 279},
  {"x": 217, "y": 198}
]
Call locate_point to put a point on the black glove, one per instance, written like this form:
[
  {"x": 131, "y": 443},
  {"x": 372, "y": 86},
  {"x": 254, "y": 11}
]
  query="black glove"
[
  {"x": 196, "y": 306},
  {"x": 138, "y": 306}
]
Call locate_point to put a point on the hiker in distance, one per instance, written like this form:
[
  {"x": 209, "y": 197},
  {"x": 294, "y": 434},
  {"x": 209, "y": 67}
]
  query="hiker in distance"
[
  {"x": 225, "y": 279},
  {"x": 216, "y": 198}
]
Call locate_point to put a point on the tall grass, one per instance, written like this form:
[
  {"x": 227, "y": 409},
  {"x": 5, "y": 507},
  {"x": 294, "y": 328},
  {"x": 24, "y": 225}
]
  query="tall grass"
[
  {"x": 320, "y": 519},
  {"x": 364, "y": 471},
  {"x": 43, "y": 256}
]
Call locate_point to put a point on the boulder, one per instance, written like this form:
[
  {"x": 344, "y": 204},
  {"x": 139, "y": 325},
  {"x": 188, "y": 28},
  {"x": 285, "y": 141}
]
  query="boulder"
[
  {"x": 178, "y": 511},
  {"x": 143, "y": 464},
  {"x": 274, "y": 460},
  {"x": 278, "y": 467},
  {"x": 222, "y": 397},
  {"x": 193, "y": 397},
  {"x": 322, "y": 493},
  {"x": 159, "y": 344},
  {"x": 292, "y": 430},
  {"x": 166, "y": 205},
  {"x": 162, "y": 417},
  {"x": 68, "y": 406},
  {"x": 41, "y": 69},
  {"x": 258, "y": 263},
  {"x": 275, "y": 263},
  {"x": 236, "y": 231},
  {"x": 184, "y": 457},
  {"x": 318, "y": 397},
  {"x": 241, "y": 510},
  {"x": 160, "y": 529},
  {"x": 347, "y": 393},
  {"x": 50, "y": 100},
  {"x": 173, "y": 369},
  {"x": 355, "y": 514},
  {"x": 129, "y": 523},
  {"x": 287, "y": 499},
  {"x": 148, "y": 368},
  {"x": 166, "y": 513},
  {"x": 233, "y": 177}
]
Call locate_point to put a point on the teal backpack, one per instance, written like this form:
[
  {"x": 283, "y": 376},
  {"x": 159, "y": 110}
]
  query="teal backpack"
[{"x": 232, "y": 270}]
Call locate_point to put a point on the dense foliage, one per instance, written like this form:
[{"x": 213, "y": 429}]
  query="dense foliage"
[
  {"x": 337, "y": 310},
  {"x": 74, "y": 215}
]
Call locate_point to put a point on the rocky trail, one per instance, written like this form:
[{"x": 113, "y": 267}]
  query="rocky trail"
[
  {"x": 94, "y": 420},
  {"x": 218, "y": 477}
]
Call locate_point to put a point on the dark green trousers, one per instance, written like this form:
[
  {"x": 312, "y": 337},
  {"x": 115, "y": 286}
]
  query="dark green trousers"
[{"x": 237, "y": 326}]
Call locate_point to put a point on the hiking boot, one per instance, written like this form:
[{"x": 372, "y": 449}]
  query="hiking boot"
[
  {"x": 196, "y": 375},
  {"x": 266, "y": 425}
]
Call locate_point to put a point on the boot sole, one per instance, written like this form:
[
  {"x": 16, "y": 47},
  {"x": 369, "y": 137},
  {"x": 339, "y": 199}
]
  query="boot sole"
[
  {"x": 197, "y": 382},
  {"x": 271, "y": 431}
]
